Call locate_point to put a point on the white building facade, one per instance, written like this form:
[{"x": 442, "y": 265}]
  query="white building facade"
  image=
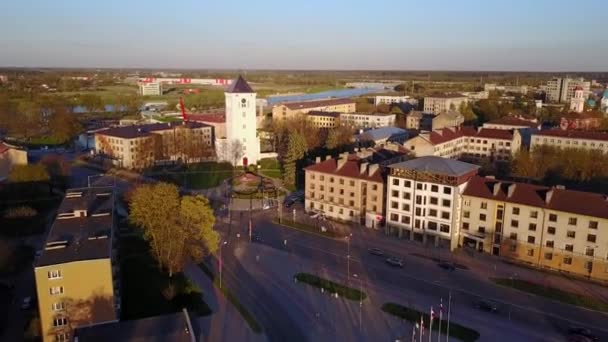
[
  {"x": 367, "y": 120},
  {"x": 151, "y": 89}
]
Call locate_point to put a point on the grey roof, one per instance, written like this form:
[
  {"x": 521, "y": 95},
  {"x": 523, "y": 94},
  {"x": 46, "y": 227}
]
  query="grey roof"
[
  {"x": 382, "y": 133},
  {"x": 172, "y": 327},
  {"x": 240, "y": 86},
  {"x": 81, "y": 237},
  {"x": 437, "y": 165}
]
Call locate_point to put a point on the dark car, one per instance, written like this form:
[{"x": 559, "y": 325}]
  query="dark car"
[
  {"x": 580, "y": 331},
  {"x": 447, "y": 265},
  {"x": 375, "y": 251},
  {"x": 255, "y": 237},
  {"x": 289, "y": 203},
  {"x": 486, "y": 306},
  {"x": 395, "y": 262}
]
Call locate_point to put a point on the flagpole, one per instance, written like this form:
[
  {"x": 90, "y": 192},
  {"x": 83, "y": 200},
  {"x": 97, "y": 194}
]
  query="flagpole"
[
  {"x": 440, "y": 318},
  {"x": 447, "y": 334},
  {"x": 431, "y": 326}
]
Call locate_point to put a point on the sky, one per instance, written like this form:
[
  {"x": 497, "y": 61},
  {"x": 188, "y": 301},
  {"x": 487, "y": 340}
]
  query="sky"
[{"x": 510, "y": 35}]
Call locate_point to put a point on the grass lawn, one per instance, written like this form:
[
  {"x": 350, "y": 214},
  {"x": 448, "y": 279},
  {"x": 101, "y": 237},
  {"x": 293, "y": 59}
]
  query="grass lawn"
[
  {"x": 330, "y": 286},
  {"x": 553, "y": 293},
  {"x": 413, "y": 316},
  {"x": 307, "y": 228},
  {"x": 199, "y": 176},
  {"x": 248, "y": 316},
  {"x": 144, "y": 286},
  {"x": 270, "y": 167}
]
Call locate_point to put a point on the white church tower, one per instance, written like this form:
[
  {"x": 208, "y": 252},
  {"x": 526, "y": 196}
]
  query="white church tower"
[
  {"x": 242, "y": 144},
  {"x": 577, "y": 103}
]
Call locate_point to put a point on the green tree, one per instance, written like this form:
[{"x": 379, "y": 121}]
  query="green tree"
[
  {"x": 28, "y": 173},
  {"x": 338, "y": 137},
  {"x": 396, "y": 110},
  {"x": 467, "y": 111},
  {"x": 296, "y": 150},
  {"x": 178, "y": 229}
]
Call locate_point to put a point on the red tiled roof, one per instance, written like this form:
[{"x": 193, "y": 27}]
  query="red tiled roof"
[
  {"x": 511, "y": 121},
  {"x": 322, "y": 113},
  {"x": 319, "y": 103},
  {"x": 3, "y": 147},
  {"x": 591, "y": 135},
  {"x": 577, "y": 202},
  {"x": 583, "y": 115},
  {"x": 492, "y": 133},
  {"x": 204, "y": 117},
  {"x": 349, "y": 169}
]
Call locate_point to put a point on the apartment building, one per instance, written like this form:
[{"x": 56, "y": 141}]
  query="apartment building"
[
  {"x": 517, "y": 89},
  {"x": 290, "y": 110},
  {"x": 450, "y": 118},
  {"x": 349, "y": 188},
  {"x": 367, "y": 120},
  {"x": 9, "y": 157},
  {"x": 466, "y": 142},
  {"x": 150, "y": 88},
  {"x": 390, "y": 99},
  {"x": 553, "y": 228},
  {"x": 135, "y": 147},
  {"x": 443, "y": 102},
  {"x": 76, "y": 274},
  {"x": 322, "y": 119},
  {"x": 562, "y": 89},
  {"x": 589, "y": 140},
  {"x": 512, "y": 122},
  {"x": 423, "y": 199}
]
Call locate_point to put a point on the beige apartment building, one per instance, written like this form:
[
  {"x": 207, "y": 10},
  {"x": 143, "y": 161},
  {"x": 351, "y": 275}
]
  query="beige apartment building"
[
  {"x": 367, "y": 120},
  {"x": 588, "y": 140},
  {"x": 512, "y": 122},
  {"x": 562, "y": 89},
  {"x": 443, "y": 102},
  {"x": 9, "y": 157},
  {"x": 76, "y": 275},
  {"x": 552, "y": 228},
  {"x": 322, "y": 119},
  {"x": 466, "y": 142},
  {"x": 349, "y": 188},
  {"x": 136, "y": 147},
  {"x": 290, "y": 110}
]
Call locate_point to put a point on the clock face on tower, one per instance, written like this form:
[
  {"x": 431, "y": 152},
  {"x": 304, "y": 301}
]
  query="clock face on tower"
[{"x": 243, "y": 101}]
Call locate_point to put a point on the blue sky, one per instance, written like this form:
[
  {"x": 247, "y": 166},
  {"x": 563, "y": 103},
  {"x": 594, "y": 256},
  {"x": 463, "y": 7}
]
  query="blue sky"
[{"x": 544, "y": 35}]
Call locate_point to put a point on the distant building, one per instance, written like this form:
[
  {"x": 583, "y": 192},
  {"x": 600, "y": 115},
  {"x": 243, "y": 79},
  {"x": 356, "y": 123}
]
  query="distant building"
[
  {"x": 9, "y": 157},
  {"x": 151, "y": 89},
  {"x": 516, "y": 89},
  {"x": 441, "y": 103},
  {"x": 479, "y": 95},
  {"x": 322, "y": 119},
  {"x": 450, "y": 118},
  {"x": 466, "y": 142},
  {"x": 604, "y": 102},
  {"x": 390, "y": 99},
  {"x": 562, "y": 89},
  {"x": 290, "y": 110},
  {"x": 367, "y": 120},
  {"x": 423, "y": 199},
  {"x": 3, "y": 78},
  {"x": 577, "y": 102},
  {"x": 419, "y": 121},
  {"x": 581, "y": 121},
  {"x": 140, "y": 146},
  {"x": 383, "y": 135},
  {"x": 588, "y": 140},
  {"x": 511, "y": 122},
  {"x": 217, "y": 120},
  {"x": 76, "y": 275}
]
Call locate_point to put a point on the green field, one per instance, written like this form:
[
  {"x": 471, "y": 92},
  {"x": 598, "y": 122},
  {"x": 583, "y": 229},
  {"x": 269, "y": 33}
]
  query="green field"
[
  {"x": 198, "y": 176},
  {"x": 270, "y": 167}
]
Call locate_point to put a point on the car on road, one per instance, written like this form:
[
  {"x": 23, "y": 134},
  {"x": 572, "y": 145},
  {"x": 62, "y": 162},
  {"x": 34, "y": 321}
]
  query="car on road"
[
  {"x": 395, "y": 262},
  {"x": 485, "y": 305},
  {"x": 26, "y": 303},
  {"x": 375, "y": 251},
  {"x": 584, "y": 332},
  {"x": 289, "y": 203},
  {"x": 447, "y": 265},
  {"x": 255, "y": 237}
]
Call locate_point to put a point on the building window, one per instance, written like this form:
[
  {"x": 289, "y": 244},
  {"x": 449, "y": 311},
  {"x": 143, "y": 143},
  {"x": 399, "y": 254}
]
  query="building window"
[
  {"x": 395, "y": 193},
  {"x": 481, "y": 229},
  {"x": 59, "y": 306},
  {"x": 432, "y": 212},
  {"x": 446, "y": 203},
  {"x": 62, "y": 337},
  {"x": 341, "y": 181},
  {"x": 568, "y": 260},
  {"x": 569, "y": 247},
  {"x": 514, "y": 223},
  {"x": 394, "y": 205},
  {"x": 571, "y": 234},
  {"x": 513, "y": 236},
  {"x": 534, "y": 214},
  {"x": 549, "y": 243},
  {"x": 552, "y": 218},
  {"x": 434, "y": 188},
  {"x": 419, "y": 186},
  {"x": 351, "y": 183},
  {"x": 394, "y": 217},
  {"x": 530, "y": 252},
  {"x": 589, "y": 251},
  {"x": 592, "y": 224},
  {"x": 532, "y": 227},
  {"x": 54, "y": 274},
  {"x": 407, "y": 184},
  {"x": 55, "y": 290},
  {"x": 548, "y": 256},
  {"x": 405, "y": 219},
  {"x": 434, "y": 200},
  {"x": 405, "y": 207},
  {"x": 418, "y": 199},
  {"x": 482, "y": 217},
  {"x": 572, "y": 221},
  {"x": 60, "y": 321},
  {"x": 466, "y": 214},
  {"x": 447, "y": 190},
  {"x": 395, "y": 181},
  {"x": 407, "y": 195},
  {"x": 445, "y": 215},
  {"x": 484, "y": 205},
  {"x": 432, "y": 225},
  {"x": 375, "y": 187},
  {"x": 465, "y": 225},
  {"x": 515, "y": 211},
  {"x": 591, "y": 238},
  {"x": 444, "y": 228},
  {"x": 531, "y": 239},
  {"x": 551, "y": 230}
]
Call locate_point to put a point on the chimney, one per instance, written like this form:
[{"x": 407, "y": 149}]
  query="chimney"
[
  {"x": 363, "y": 168},
  {"x": 317, "y": 160},
  {"x": 496, "y": 189},
  {"x": 548, "y": 196},
  {"x": 372, "y": 169},
  {"x": 560, "y": 187},
  {"x": 510, "y": 190},
  {"x": 328, "y": 157}
]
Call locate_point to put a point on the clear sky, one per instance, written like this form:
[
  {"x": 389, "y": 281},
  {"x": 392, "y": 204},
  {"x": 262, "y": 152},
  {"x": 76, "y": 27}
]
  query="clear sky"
[{"x": 543, "y": 35}]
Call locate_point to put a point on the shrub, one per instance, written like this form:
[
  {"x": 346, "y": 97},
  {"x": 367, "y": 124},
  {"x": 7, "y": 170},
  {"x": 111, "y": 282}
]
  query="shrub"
[{"x": 20, "y": 212}]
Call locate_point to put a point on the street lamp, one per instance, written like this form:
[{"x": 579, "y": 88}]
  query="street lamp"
[
  {"x": 348, "y": 258},
  {"x": 221, "y": 263}
]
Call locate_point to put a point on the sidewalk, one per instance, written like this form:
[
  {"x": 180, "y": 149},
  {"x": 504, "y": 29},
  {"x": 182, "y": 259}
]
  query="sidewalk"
[{"x": 225, "y": 323}]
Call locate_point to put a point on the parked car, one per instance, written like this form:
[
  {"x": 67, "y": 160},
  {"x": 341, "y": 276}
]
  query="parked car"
[
  {"x": 395, "y": 262},
  {"x": 580, "y": 331},
  {"x": 26, "y": 303},
  {"x": 486, "y": 306},
  {"x": 255, "y": 237},
  {"x": 447, "y": 265},
  {"x": 375, "y": 251}
]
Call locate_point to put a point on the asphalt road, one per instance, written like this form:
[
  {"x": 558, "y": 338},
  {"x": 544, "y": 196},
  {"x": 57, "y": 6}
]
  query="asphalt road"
[{"x": 420, "y": 275}]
